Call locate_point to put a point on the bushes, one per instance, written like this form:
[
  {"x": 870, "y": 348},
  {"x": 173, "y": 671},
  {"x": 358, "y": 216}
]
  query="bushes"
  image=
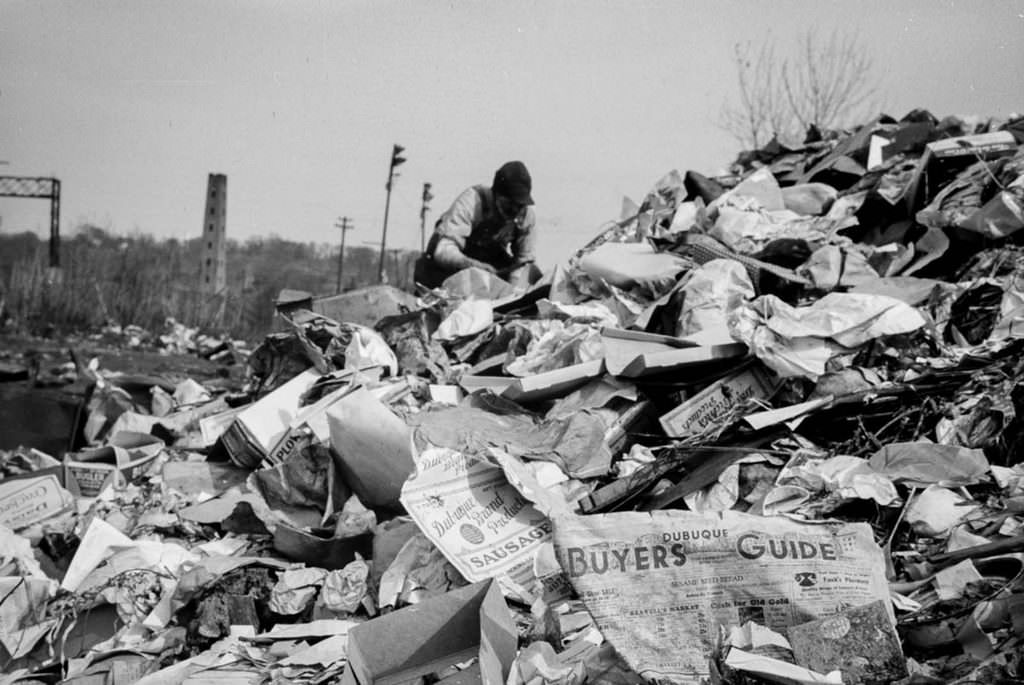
[{"x": 138, "y": 280}]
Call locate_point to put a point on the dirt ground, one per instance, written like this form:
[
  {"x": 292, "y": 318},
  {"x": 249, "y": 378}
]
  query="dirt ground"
[{"x": 16, "y": 350}]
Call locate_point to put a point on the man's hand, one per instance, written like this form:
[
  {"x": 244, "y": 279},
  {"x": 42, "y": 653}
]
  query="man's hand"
[{"x": 483, "y": 265}]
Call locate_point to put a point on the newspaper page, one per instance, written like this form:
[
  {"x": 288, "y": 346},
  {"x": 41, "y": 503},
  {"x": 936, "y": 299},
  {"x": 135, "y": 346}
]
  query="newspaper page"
[
  {"x": 481, "y": 523},
  {"x": 660, "y": 583}
]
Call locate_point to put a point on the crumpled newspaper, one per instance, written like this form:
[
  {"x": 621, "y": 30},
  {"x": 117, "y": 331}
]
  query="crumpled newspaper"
[
  {"x": 556, "y": 345},
  {"x": 709, "y": 292},
  {"x": 344, "y": 589},
  {"x": 798, "y": 341},
  {"x": 295, "y": 589}
]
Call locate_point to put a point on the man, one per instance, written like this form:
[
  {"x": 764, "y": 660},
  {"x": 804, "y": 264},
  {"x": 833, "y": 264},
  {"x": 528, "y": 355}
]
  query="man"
[{"x": 489, "y": 228}]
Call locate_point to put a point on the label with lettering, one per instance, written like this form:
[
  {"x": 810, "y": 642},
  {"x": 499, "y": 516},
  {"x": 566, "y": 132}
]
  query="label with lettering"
[
  {"x": 31, "y": 500},
  {"x": 713, "y": 402},
  {"x": 661, "y": 584},
  {"x": 481, "y": 523}
]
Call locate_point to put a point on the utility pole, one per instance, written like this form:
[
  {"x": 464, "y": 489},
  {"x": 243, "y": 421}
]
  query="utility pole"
[
  {"x": 427, "y": 197},
  {"x": 396, "y": 159},
  {"x": 343, "y": 224}
]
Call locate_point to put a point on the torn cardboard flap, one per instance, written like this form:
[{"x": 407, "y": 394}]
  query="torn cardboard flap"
[
  {"x": 622, "y": 347},
  {"x": 537, "y": 387},
  {"x": 552, "y": 384},
  {"x": 675, "y": 360},
  {"x": 424, "y": 638}
]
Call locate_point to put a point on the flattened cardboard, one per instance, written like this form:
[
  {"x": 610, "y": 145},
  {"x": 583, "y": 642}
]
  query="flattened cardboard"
[
  {"x": 552, "y": 384},
  {"x": 622, "y": 347},
  {"x": 472, "y": 621},
  {"x": 538, "y": 387},
  {"x": 644, "y": 337},
  {"x": 496, "y": 384},
  {"x": 675, "y": 360},
  {"x": 372, "y": 447}
]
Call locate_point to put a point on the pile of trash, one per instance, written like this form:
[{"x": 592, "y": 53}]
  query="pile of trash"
[
  {"x": 764, "y": 428},
  {"x": 176, "y": 338}
]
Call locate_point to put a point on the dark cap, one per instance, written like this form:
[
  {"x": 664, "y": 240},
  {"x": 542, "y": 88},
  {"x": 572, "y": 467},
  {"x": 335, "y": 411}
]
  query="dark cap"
[{"x": 513, "y": 181}]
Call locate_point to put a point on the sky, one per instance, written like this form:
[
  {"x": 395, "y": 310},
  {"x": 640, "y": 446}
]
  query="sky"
[{"x": 132, "y": 103}]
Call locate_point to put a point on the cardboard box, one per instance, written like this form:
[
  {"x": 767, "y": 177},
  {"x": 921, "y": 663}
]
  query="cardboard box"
[
  {"x": 295, "y": 439},
  {"x": 122, "y": 460},
  {"x": 943, "y": 159},
  {"x": 982, "y": 144},
  {"x": 472, "y": 621},
  {"x": 711, "y": 403},
  {"x": 261, "y": 425}
]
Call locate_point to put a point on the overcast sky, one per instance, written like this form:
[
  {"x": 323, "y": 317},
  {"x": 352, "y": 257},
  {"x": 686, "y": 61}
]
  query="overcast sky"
[{"x": 131, "y": 104}]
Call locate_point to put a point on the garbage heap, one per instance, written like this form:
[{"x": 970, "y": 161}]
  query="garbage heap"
[{"x": 765, "y": 427}]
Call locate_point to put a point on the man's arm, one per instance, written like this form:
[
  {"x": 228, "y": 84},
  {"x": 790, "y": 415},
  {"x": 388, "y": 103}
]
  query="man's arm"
[
  {"x": 448, "y": 255},
  {"x": 453, "y": 228}
]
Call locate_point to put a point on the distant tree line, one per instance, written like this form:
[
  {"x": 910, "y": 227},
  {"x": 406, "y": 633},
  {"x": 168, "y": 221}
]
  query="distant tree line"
[{"x": 107, "y": 278}]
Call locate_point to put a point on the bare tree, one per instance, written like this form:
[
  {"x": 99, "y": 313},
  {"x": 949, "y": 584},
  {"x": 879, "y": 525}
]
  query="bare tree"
[
  {"x": 762, "y": 110},
  {"x": 827, "y": 82}
]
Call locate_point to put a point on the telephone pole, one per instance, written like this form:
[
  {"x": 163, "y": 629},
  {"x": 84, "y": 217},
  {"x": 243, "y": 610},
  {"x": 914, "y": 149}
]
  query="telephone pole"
[
  {"x": 343, "y": 224},
  {"x": 427, "y": 197},
  {"x": 396, "y": 160}
]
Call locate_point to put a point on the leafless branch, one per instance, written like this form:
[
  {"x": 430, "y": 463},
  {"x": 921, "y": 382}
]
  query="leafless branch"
[{"x": 827, "y": 82}]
